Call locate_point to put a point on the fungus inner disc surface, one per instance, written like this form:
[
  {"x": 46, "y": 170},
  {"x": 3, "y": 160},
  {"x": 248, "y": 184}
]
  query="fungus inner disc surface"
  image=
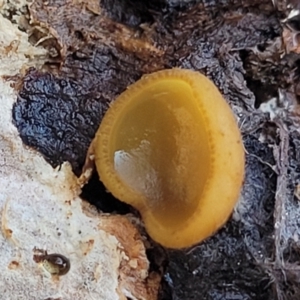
[{"x": 159, "y": 149}]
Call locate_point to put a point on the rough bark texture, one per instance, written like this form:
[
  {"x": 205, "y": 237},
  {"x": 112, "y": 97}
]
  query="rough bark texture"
[
  {"x": 41, "y": 211},
  {"x": 98, "y": 48}
]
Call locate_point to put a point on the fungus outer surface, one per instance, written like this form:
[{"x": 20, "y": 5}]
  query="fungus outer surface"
[{"x": 170, "y": 146}]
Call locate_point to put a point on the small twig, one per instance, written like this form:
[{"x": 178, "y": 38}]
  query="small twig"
[{"x": 281, "y": 157}]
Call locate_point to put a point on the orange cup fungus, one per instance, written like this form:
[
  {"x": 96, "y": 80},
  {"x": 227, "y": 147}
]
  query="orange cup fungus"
[{"x": 170, "y": 147}]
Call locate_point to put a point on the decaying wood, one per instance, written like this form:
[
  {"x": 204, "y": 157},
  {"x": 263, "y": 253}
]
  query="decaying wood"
[
  {"x": 250, "y": 49},
  {"x": 40, "y": 208}
]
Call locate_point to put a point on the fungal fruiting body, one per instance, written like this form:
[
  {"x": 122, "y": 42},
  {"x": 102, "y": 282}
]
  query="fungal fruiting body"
[{"x": 170, "y": 146}]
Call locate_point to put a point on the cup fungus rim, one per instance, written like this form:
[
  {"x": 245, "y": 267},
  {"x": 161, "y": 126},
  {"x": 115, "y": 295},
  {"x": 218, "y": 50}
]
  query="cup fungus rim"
[{"x": 224, "y": 141}]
